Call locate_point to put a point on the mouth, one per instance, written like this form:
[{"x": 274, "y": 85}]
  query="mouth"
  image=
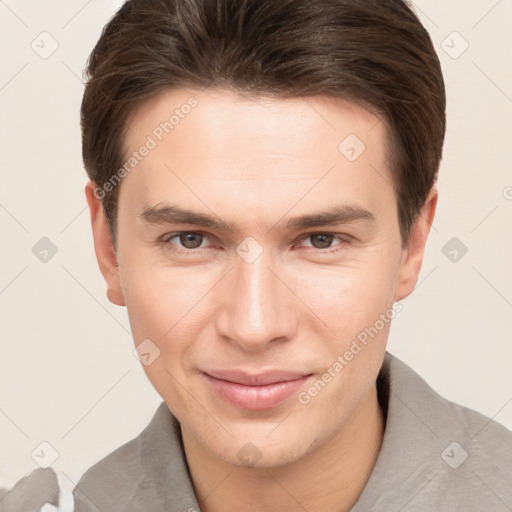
[{"x": 255, "y": 392}]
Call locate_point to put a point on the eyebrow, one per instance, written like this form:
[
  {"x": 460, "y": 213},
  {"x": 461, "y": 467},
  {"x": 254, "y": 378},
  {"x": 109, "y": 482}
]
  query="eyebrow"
[{"x": 171, "y": 214}]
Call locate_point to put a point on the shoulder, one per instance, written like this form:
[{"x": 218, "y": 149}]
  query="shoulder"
[
  {"x": 444, "y": 418},
  {"x": 148, "y": 471},
  {"x": 436, "y": 454}
]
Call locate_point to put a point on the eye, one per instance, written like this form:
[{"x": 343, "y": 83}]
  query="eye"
[
  {"x": 323, "y": 242},
  {"x": 187, "y": 240}
]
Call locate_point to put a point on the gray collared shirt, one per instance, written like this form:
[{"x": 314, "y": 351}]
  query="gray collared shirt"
[{"x": 435, "y": 456}]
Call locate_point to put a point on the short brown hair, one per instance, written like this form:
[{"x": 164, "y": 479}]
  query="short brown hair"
[{"x": 373, "y": 52}]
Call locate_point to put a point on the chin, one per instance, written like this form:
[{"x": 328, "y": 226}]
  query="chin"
[{"x": 263, "y": 447}]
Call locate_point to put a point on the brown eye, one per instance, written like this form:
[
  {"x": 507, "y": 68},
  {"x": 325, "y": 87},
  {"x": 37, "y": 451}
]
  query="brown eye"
[
  {"x": 321, "y": 241},
  {"x": 191, "y": 240}
]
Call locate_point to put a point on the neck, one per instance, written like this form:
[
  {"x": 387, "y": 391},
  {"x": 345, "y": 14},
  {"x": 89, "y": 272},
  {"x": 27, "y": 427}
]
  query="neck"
[{"x": 331, "y": 478}]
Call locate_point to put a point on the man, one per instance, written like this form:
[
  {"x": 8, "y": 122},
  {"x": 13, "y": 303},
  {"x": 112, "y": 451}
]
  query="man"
[{"x": 262, "y": 187}]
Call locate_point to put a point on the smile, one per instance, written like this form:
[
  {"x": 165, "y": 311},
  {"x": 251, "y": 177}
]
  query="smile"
[{"x": 255, "y": 392}]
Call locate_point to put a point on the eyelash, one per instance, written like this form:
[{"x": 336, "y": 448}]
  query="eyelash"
[{"x": 166, "y": 242}]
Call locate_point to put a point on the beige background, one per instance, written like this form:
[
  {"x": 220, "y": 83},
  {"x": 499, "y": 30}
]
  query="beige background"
[{"x": 67, "y": 372}]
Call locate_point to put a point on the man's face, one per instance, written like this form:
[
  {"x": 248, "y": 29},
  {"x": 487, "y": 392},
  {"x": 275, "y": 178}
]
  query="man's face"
[{"x": 270, "y": 299}]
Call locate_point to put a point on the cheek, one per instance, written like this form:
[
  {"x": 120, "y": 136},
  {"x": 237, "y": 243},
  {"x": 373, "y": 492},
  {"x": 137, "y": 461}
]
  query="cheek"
[
  {"x": 351, "y": 298},
  {"x": 166, "y": 304},
  {"x": 361, "y": 318},
  {"x": 357, "y": 306}
]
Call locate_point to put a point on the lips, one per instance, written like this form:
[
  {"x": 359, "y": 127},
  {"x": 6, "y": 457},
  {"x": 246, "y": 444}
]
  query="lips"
[{"x": 255, "y": 392}]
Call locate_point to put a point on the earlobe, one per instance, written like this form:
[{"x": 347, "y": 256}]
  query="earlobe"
[
  {"x": 105, "y": 254},
  {"x": 412, "y": 256}
]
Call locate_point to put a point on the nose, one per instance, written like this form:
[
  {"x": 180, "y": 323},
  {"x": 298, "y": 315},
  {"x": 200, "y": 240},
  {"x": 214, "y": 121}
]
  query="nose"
[{"x": 256, "y": 309}]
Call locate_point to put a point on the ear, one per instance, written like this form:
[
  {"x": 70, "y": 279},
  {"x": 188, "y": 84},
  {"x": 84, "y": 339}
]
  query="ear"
[
  {"x": 103, "y": 246},
  {"x": 412, "y": 256}
]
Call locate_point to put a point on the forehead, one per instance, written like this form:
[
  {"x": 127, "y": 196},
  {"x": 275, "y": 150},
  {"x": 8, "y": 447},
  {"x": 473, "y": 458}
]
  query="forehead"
[
  {"x": 269, "y": 121},
  {"x": 255, "y": 150}
]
